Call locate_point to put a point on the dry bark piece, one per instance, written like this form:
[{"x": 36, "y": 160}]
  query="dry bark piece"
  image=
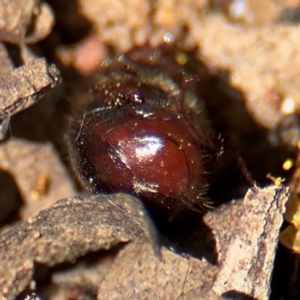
[
  {"x": 5, "y": 61},
  {"x": 246, "y": 236},
  {"x": 252, "y": 224},
  {"x": 67, "y": 230},
  {"x": 128, "y": 23},
  {"x": 273, "y": 49},
  {"x": 26, "y": 85},
  {"x": 43, "y": 24},
  {"x": 17, "y": 16},
  {"x": 138, "y": 274},
  {"x": 85, "y": 276},
  {"x": 23, "y": 87},
  {"x": 39, "y": 173},
  {"x": 115, "y": 14}
]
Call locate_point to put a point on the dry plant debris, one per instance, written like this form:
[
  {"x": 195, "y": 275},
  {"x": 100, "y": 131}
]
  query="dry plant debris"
[
  {"x": 138, "y": 274},
  {"x": 68, "y": 230},
  {"x": 258, "y": 60},
  {"x": 23, "y": 87},
  {"x": 38, "y": 190},
  {"x": 246, "y": 240},
  {"x": 76, "y": 226},
  {"x": 261, "y": 62},
  {"x": 18, "y": 15},
  {"x": 22, "y": 22},
  {"x": 85, "y": 276}
]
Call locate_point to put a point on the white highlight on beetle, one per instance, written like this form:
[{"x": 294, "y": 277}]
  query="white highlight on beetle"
[{"x": 149, "y": 147}]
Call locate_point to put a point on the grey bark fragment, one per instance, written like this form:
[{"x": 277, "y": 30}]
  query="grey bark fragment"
[
  {"x": 16, "y": 16},
  {"x": 246, "y": 236},
  {"x": 138, "y": 274},
  {"x": 41, "y": 188},
  {"x": 26, "y": 85},
  {"x": 23, "y": 87},
  {"x": 85, "y": 275},
  {"x": 69, "y": 229}
]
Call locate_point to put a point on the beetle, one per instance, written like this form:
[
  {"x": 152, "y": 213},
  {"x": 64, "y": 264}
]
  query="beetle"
[{"x": 144, "y": 131}]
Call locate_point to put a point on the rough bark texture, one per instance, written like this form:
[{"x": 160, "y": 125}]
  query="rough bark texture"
[
  {"x": 253, "y": 67},
  {"x": 68, "y": 230}
]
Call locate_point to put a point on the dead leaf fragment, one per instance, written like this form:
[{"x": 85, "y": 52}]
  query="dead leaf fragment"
[
  {"x": 17, "y": 15},
  {"x": 43, "y": 24},
  {"x": 23, "y": 87},
  {"x": 259, "y": 60},
  {"x": 138, "y": 274},
  {"x": 26, "y": 85},
  {"x": 20, "y": 158},
  {"x": 67, "y": 230},
  {"x": 84, "y": 276},
  {"x": 246, "y": 236}
]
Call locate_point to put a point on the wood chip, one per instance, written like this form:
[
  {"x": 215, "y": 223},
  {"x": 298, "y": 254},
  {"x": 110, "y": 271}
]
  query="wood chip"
[
  {"x": 42, "y": 188},
  {"x": 25, "y": 86},
  {"x": 138, "y": 274},
  {"x": 246, "y": 236},
  {"x": 68, "y": 230}
]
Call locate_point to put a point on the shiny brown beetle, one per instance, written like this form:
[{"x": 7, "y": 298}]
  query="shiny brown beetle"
[{"x": 145, "y": 132}]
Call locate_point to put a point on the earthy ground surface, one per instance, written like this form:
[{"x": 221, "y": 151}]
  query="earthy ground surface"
[{"x": 107, "y": 246}]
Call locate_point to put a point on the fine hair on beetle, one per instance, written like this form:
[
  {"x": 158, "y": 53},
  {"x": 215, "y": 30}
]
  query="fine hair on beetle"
[{"x": 143, "y": 130}]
